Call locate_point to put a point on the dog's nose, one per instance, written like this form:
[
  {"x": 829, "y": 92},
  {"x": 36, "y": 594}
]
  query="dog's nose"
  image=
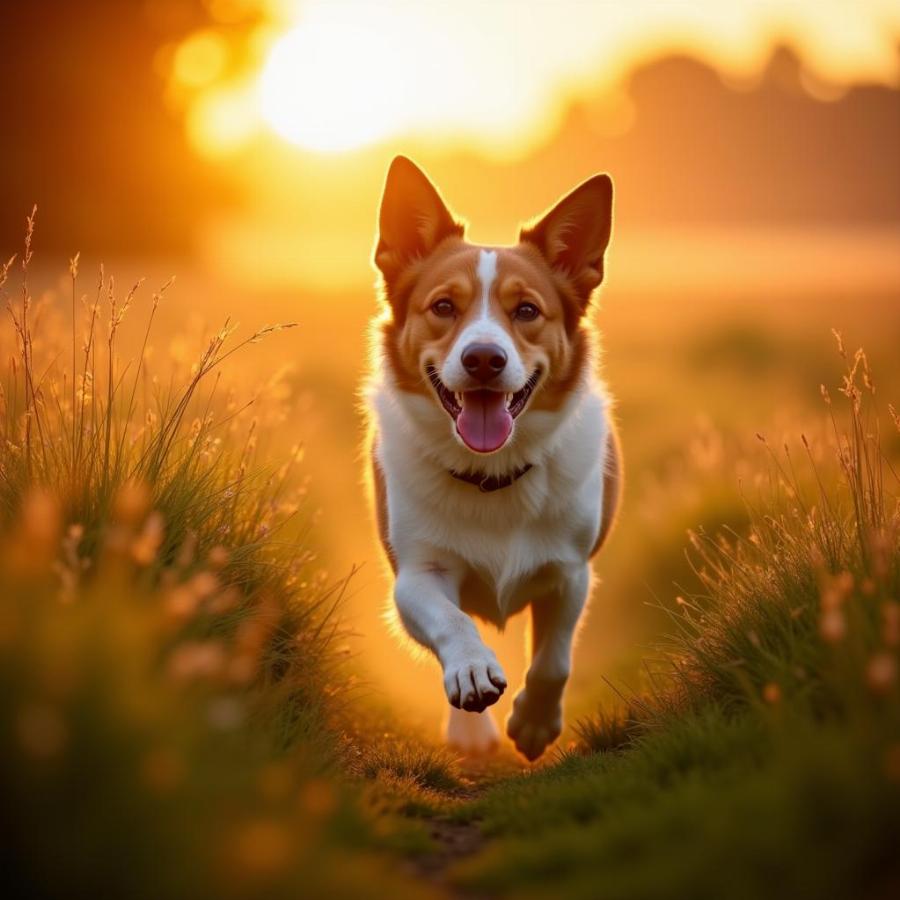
[{"x": 484, "y": 361}]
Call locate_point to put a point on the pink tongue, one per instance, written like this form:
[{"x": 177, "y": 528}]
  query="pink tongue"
[{"x": 485, "y": 422}]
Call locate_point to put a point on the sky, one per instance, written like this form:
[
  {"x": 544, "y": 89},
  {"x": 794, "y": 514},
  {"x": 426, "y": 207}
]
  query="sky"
[{"x": 336, "y": 75}]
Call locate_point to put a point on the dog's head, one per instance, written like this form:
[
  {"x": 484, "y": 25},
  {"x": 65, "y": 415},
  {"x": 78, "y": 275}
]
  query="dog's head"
[{"x": 488, "y": 333}]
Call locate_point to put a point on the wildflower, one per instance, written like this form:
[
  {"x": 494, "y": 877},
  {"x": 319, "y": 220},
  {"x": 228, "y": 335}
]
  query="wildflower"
[
  {"x": 318, "y": 798},
  {"x": 197, "y": 659},
  {"x": 181, "y": 602},
  {"x": 834, "y": 590},
  {"x": 147, "y": 543},
  {"x": 217, "y": 557},
  {"x": 204, "y": 584},
  {"x": 832, "y": 626},
  {"x": 131, "y": 502},
  {"x": 223, "y": 602},
  {"x": 261, "y": 847},
  {"x": 772, "y": 693},
  {"x": 881, "y": 673},
  {"x": 225, "y": 714}
]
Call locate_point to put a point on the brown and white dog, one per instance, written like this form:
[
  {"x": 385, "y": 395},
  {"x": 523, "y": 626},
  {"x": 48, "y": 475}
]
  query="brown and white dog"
[{"x": 495, "y": 464}]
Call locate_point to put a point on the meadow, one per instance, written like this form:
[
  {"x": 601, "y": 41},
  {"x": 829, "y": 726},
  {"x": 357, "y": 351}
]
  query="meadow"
[{"x": 198, "y": 693}]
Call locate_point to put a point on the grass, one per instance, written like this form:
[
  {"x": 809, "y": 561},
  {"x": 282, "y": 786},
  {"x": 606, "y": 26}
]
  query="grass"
[
  {"x": 763, "y": 757},
  {"x": 171, "y": 689},
  {"x": 175, "y": 718}
]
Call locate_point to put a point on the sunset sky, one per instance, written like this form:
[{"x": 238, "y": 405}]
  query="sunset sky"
[
  {"x": 336, "y": 75},
  {"x": 252, "y": 136},
  {"x": 303, "y": 106}
]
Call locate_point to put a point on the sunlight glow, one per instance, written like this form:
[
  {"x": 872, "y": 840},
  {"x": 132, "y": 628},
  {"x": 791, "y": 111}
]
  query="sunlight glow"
[
  {"x": 313, "y": 89},
  {"x": 349, "y": 77},
  {"x": 331, "y": 76},
  {"x": 495, "y": 76}
]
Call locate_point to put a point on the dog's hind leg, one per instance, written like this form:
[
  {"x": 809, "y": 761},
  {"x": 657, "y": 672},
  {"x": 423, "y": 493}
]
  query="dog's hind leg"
[
  {"x": 536, "y": 718},
  {"x": 472, "y": 734}
]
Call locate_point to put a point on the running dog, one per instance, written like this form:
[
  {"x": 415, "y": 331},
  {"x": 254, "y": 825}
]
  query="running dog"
[{"x": 495, "y": 466}]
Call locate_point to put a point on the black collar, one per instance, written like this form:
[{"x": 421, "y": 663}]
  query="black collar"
[{"x": 489, "y": 483}]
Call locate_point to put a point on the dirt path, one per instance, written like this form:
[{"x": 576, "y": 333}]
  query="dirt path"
[{"x": 456, "y": 841}]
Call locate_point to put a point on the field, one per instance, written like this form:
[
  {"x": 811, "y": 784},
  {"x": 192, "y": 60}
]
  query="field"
[{"x": 199, "y": 693}]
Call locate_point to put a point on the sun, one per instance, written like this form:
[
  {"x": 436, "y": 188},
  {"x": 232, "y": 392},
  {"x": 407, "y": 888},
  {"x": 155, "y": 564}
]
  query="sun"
[
  {"x": 495, "y": 77},
  {"x": 351, "y": 75},
  {"x": 330, "y": 86}
]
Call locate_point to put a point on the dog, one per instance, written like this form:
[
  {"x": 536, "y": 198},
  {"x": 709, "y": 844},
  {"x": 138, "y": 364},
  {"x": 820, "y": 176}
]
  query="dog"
[{"x": 494, "y": 460}]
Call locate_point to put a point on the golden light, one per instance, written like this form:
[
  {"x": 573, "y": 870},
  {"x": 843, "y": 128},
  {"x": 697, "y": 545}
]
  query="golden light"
[
  {"x": 314, "y": 91},
  {"x": 200, "y": 60},
  {"x": 350, "y": 75},
  {"x": 495, "y": 78}
]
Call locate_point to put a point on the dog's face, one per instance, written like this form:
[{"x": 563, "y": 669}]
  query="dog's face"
[{"x": 488, "y": 333}]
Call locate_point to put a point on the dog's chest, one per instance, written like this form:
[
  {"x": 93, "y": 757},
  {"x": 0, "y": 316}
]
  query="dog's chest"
[
  {"x": 505, "y": 548},
  {"x": 517, "y": 550}
]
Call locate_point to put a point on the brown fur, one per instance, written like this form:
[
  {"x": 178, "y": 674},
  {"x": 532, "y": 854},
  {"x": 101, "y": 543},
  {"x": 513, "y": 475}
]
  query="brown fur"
[
  {"x": 381, "y": 510},
  {"x": 612, "y": 488},
  {"x": 412, "y": 335}
]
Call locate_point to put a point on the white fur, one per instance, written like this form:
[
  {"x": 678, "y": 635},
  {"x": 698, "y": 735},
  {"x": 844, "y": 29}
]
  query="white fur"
[
  {"x": 460, "y": 552},
  {"x": 484, "y": 329},
  {"x": 487, "y": 275}
]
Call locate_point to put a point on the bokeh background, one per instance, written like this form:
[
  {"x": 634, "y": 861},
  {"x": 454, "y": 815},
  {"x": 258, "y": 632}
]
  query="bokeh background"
[{"x": 241, "y": 144}]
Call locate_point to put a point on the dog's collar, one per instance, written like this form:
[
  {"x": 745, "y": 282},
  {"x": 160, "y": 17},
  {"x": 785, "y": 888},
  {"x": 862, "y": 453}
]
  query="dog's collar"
[{"x": 489, "y": 483}]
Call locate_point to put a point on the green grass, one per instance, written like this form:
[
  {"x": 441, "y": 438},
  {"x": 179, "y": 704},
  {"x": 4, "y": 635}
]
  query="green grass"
[
  {"x": 763, "y": 756},
  {"x": 172, "y": 702},
  {"x": 713, "y": 806},
  {"x": 174, "y": 712}
]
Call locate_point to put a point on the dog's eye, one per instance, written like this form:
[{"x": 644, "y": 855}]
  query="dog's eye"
[
  {"x": 443, "y": 308},
  {"x": 526, "y": 312}
]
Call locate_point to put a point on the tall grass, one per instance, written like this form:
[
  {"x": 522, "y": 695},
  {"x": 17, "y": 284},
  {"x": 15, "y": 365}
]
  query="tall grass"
[
  {"x": 169, "y": 677},
  {"x": 805, "y": 608},
  {"x": 763, "y": 757}
]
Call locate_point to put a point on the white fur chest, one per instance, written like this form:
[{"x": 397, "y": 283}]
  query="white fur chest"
[{"x": 505, "y": 546}]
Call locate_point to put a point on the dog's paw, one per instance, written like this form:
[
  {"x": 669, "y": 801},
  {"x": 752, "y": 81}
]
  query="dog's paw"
[
  {"x": 472, "y": 734},
  {"x": 533, "y": 726},
  {"x": 473, "y": 679}
]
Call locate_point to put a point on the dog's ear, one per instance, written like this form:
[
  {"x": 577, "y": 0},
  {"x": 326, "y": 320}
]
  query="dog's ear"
[
  {"x": 573, "y": 236},
  {"x": 413, "y": 218}
]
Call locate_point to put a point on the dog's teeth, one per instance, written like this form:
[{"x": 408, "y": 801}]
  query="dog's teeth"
[{"x": 458, "y": 398}]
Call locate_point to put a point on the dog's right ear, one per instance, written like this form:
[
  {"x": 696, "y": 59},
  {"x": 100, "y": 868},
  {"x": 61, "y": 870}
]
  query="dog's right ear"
[{"x": 413, "y": 219}]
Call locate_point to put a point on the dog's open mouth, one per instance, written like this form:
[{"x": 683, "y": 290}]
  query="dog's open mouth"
[{"x": 484, "y": 418}]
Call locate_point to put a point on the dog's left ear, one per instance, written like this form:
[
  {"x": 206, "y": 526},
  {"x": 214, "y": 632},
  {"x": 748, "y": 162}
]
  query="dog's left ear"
[
  {"x": 413, "y": 219},
  {"x": 573, "y": 236}
]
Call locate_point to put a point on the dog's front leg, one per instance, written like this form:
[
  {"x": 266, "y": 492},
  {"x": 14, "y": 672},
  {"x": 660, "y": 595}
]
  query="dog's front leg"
[
  {"x": 536, "y": 719},
  {"x": 428, "y": 603}
]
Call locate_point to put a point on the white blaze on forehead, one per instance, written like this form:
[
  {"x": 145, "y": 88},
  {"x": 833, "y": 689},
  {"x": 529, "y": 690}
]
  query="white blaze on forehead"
[
  {"x": 487, "y": 275},
  {"x": 484, "y": 328}
]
